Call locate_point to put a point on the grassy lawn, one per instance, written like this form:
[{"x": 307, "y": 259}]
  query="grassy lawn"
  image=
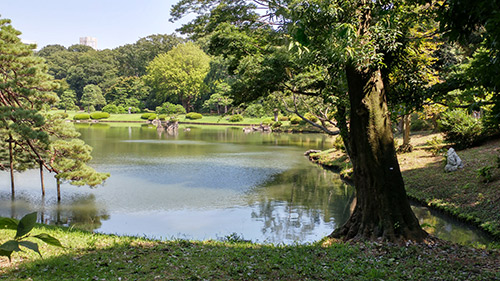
[{"x": 89, "y": 256}]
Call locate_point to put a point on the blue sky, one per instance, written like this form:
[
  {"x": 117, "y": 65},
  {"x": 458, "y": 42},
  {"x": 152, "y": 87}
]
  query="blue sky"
[{"x": 113, "y": 22}]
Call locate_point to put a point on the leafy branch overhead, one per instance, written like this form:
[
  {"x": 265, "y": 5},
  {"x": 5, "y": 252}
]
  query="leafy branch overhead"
[{"x": 23, "y": 228}]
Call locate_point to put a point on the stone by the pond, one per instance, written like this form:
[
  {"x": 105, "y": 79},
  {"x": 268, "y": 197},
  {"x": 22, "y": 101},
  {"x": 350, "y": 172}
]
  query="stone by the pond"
[{"x": 453, "y": 162}]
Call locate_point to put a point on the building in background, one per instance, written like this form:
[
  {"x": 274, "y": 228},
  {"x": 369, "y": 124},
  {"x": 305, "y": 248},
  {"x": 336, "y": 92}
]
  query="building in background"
[{"x": 89, "y": 41}]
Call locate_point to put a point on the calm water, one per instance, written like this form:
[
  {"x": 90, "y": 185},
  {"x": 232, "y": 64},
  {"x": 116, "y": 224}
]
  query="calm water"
[{"x": 206, "y": 183}]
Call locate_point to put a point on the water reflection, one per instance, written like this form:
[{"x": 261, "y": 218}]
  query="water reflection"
[
  {"x": 82, "y": 212},
  {"x": 201, "y": 184}
]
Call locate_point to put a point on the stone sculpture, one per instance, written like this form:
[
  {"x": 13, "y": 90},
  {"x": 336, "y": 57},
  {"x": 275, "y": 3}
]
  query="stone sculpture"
[{"x": 453, "y": 162}]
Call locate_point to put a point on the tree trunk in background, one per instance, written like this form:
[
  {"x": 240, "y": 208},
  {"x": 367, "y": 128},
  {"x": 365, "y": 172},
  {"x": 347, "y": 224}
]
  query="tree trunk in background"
[
  {"x": 41, "y": 178},
  {"x": 382, "y": 208},
  {"x": 406, "y": 122},
  {"x": 11, "y": 166},
  {"x": 58, "y": 181}
]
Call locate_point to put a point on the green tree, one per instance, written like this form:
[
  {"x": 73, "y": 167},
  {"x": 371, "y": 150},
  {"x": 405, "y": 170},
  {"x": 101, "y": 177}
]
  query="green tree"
[
  {"x": 351, "y": 42},
  {"x": 179, "y": 73},
  {"x": 68, "y": 100},
  {"x": 128, "y": 91},
  {"x": 92, "y": 97},
  {"x": 134, "y": 58}
]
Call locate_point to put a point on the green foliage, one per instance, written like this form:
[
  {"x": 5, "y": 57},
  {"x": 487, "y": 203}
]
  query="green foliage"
[
  {"x": 92, "y": 97},
  {"x": 277, "y": 124},
  {"x": 152, "y": 117},
  {"x": 295, "y": 120},
  {"x": 267, "y": 121},
  {"x": 311, "y": 117},
  {"x": 282, "y": 118},
  {"x": 235, "y": 118},
  {"x": 147, "y": 115},
  {"x": 255, "y": 110},
  {"x": 23, "y": 228},
  {"x": 179, "y": 73},
  {"x": 162, "y": 117},
  {"x": 99, "y": 115},
  {"x": 81, "y": 116},
  {"x": 436, "y": 146},
  {"x": 339, "y": 143},
  {"x": 194, "y": 116},
  {"x": 170, "y": 108},
  {"x": 485, "y": 173},
  {"x": 111, "y": 108},
  {"x": 461, "y": 128}
]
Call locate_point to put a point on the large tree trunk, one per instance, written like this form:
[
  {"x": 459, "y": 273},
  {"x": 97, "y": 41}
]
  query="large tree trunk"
[{"x": 382, "y": 208}]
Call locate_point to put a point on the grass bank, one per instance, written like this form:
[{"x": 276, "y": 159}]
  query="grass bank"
[
  {"x": 89, "y": 256},
  {"x": 464, "y": 193}
]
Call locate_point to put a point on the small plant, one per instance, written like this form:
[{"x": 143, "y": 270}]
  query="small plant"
[
  {"x": 234, "y": 238},
  {"x": 81, "y": 116},
  {"x": 194, "y": 115},
  {"x": 162, "y": 117},
  {"x": 235, "y": 118},
  {"x": 283, "y": 118},
  {"x": 23, "y": 227},
  {"x": 485, "y": 173},
  {"x": 435, "y": 146},
  {"x": 152, "y": 117},
  {"x": 339, "y": 143}
]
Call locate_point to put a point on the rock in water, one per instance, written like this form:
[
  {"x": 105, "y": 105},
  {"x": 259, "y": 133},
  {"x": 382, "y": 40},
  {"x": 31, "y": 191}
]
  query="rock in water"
[{"x": 453, "y": 162}]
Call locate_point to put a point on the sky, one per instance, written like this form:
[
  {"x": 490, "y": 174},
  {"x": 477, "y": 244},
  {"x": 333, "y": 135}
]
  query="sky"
[{"x": 113, "y": 22}]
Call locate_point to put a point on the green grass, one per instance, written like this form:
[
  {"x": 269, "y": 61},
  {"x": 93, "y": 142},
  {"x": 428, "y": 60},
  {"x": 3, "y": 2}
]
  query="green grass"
[{"x": 89, "y": 256}]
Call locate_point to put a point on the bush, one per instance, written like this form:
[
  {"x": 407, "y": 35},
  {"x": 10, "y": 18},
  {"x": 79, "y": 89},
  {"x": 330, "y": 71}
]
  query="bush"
[
  {"x": 461, "y": 128},
  {"x": 194, "y": 116},
  {"x": 111, "y": 108},
  {"x": 267, "y": 121},
  {"x": 152, "y": 117},
  {"x": 81, "y": 116},
  {"x": 339, "y": 143},
  {"x": 283, "y": 118},
  {"x": 295, "y": 120},
  {"x": 146, "y": 116},
  {"x": 277, "y": 125},
  {"x": 255, "y": 110},
  {"x": 162, "y": 117},
  {"x": 99, "y": 115},
  {"x": 170, "y": 108},
  {"x": 311, "y": 117},
  {"x": 235, "y": 118}
]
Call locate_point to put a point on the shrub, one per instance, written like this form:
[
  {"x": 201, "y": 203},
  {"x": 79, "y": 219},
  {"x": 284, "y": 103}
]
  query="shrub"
[
  {"x": 267, "y": 121},
  {"x": 81, "y": 116},
  {"x": 461, "y": 128},
  {"x": 294, "y": 120},
  {"x": 147, "y": 115},
  {"x": 277, "y": 125},
  {"x": 152, "y": 117},
  {"x": 255, "y": 110},
  {"x": 170, "y": 108},
  {"x": 99, "y": 115},
  {"x": 283, "y": 118},
  {"x": 435, "y": 146},
  {"x": 194, "y": 116},
  {"x": 162, "y": 117},
  {"x": 311, "y": 117},
  {"x": 339, "y": 143},
  {"x": 110, "y": 108},
  {"x": 235, "y": 118}
]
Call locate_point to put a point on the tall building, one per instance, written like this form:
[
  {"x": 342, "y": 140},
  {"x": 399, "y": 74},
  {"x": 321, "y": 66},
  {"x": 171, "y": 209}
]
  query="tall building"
[{"x": 89, "y": 41}]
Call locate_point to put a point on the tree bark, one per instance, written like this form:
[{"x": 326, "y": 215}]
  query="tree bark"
[
  {"x": 41, "y": 178},
  {"x": 58, "y": 182},
  {"x": 11, "y": 166},
  {"x": 406, "y": 122},
  {"x": 382, "y": 209}
]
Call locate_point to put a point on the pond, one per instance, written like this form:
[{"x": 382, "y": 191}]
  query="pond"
[{"x": 203, "y": 183}]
